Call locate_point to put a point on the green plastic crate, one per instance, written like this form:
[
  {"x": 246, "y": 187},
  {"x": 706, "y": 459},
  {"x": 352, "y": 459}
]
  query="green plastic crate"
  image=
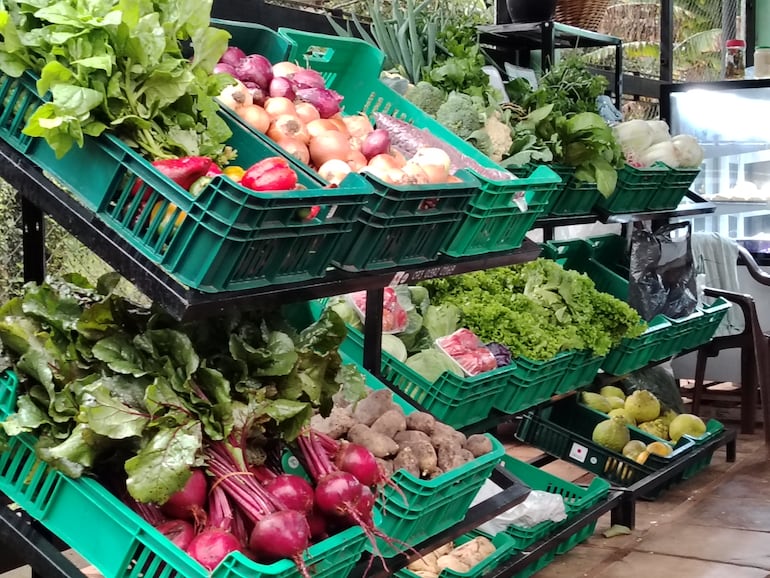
[
  {"x": 636, "y": 353},
  {"x": 404, "y": 226},
  {"x": 577, "y": 500},
  {"x": 564, "y": 430},
  {"x": 532, "y": 382},
  {"x": 479, "y": 231},
  {"x": 352, "y": 67},
  {"x": 504, "y": 548},
  {"x": 455, "y": 400},
  {"x": 576, "y": 198},
  {"x": 673, "y": 188},
  {"x": 419, "y": 509},
  {"x": 230, "y": 238},
  {"x": 707, "y": 324},
  {"x": 582, "y": 371},
  {"x": 256, "y": 39},
  {"x": 126, "y": 546},
  {"x": 635, "y": 189}
]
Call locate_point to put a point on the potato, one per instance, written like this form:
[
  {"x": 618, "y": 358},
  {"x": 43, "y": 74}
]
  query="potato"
[
  {"x": 420, "y": 421},
  {"x": 446, "y": 435},
  {"x": 426, "y": 574},
  {"x": 474, "y": 551},
  {"x": 425, "y": 564},
  {"x": 451, "y": 457},
  {"x": 426, "y": 457},
  {"x": 374, "y": 405},
  {"x": 408, "y": 461},
  {"x": 478, "y": 445},
  {"x": 336, "y": 425},
  {"x": 386, "y": 465},
  {"x": 411, "y": 436},
  {"x": 381, "y": 446},
  {"x": 390, "y": 423},
  {"x": 449, "y": 561}
]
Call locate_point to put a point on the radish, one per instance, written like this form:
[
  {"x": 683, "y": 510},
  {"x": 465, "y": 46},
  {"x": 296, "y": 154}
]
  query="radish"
[
  {"x": 295, "y": 492},
  {"x": 180, "y": 532},
  {"x": 188, "y": 503},
  {"x": 211, "y": 546},
  {"x": 278, "y": 532}
]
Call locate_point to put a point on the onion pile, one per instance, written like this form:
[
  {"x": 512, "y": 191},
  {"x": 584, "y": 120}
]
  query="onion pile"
[{"x": 295, "y": 109}]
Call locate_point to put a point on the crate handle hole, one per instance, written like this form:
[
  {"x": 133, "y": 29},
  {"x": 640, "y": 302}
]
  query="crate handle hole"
[{"x": 319, "y": 54}]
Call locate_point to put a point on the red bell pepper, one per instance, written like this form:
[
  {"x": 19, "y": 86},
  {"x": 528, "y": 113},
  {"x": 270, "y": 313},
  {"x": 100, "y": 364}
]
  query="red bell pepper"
[
  {"x": 270, "y": 174},
  {"x": 183, "y": 171}
]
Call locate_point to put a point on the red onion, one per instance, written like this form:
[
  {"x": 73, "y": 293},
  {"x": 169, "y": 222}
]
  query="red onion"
[
  {"x": 224, "y": 68},
  {"x": 232, "y": 56},
  {"x": 255, "y": 68},
  {"x": 326, "y": 101},
  {"x": 307, "y": 78},
  {"x": 258, "y": 94},
  {"x": 280, "y": 86}
]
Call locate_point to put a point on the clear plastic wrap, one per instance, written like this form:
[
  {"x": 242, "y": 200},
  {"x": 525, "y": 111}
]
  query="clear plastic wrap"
[
  {"x": 662, "y": 273},
  {"x": 467, "y": 350},
  {"x": 394, "y": 315}
]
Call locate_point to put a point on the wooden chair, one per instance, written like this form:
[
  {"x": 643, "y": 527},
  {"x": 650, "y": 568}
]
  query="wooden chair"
[{"x": 754, "y": 346}]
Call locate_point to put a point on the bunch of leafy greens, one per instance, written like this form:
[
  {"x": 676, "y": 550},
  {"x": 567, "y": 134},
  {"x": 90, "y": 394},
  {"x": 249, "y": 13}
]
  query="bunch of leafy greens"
[
  {"x": 459, "y": 64},
  {"x": 119, "y": 65},
  {"x": 560, "y": 124},
  {"x": 107, "y": 382},
  {"x": 538, "y": 309}
]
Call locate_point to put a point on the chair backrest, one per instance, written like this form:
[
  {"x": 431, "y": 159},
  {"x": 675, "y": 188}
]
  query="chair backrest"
[{"x": 716, "y": 257}]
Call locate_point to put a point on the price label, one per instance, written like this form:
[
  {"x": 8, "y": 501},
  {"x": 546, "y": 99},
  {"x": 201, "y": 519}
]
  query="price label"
[
  {"x": 578, "y": 452},
  {"x": 520, "y": 200}
]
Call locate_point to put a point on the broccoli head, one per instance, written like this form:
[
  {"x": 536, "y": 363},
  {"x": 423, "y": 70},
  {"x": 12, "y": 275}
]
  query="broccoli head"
[
  {"x": 426, "y": 96},
  {"x": 460, "y": 115}
]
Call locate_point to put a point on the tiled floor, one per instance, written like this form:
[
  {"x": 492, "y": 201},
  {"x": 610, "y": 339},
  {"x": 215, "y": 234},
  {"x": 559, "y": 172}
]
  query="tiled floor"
[{"x": 716, "y": 525}]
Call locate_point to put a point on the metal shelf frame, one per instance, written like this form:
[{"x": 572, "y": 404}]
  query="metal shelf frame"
[{"x": 549, "y": 36}]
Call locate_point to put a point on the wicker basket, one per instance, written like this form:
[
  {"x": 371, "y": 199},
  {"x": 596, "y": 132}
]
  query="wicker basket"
[{"x": 585, "y": 14}]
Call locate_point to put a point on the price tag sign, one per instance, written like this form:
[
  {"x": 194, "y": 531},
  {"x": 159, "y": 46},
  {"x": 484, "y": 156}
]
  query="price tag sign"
[
  {"x": 291, "y": 465},
  {"x": 578, "y": 452}
]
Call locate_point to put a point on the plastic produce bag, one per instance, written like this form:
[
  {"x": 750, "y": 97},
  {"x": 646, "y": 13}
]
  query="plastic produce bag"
[
  {"x": 394, "y": 316},
  {"x": 536, "y": 508},
  {"x": 467, "y": 350},
  {"x": 662, "y": 272}
]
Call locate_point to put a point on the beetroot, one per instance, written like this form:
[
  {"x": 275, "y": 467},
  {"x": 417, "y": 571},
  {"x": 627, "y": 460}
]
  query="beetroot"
[
  {"x": 293, "y": 491},
  {"x": 180, "y": 532},
  {"x": 188, "y": 503},
  {"x": 211, "y": 546},
  {"x": 359, "y": 461},
  {"x": 282, "y": 534}
]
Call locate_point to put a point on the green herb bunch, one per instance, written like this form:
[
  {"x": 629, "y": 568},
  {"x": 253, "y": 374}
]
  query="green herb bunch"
[
  {"x": 104, "y": 381},
  {"x": 119, "y": 65}
]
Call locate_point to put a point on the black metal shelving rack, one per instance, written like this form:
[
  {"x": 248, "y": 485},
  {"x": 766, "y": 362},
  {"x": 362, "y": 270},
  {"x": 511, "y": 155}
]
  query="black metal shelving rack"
[{"x": 30, "y": 543}]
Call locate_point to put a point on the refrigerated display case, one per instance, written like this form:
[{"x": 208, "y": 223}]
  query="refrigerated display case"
[{"x": 731, "y": 120}]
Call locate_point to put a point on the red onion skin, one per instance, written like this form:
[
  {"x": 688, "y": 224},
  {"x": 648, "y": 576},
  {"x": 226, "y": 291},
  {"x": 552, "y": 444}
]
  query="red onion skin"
[
  {"x": 326, "y": 101},
  {"x": 224, "y": 68},
  {"x": 232, "y": 56},
  {"x": 281, "y": 86},
  {"x": 307, "y": 78},
  {"x": 255, "y": 68}
]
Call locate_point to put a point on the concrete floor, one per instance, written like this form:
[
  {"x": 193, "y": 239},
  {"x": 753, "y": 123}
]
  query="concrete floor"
[{"x": 716, "y": 525}]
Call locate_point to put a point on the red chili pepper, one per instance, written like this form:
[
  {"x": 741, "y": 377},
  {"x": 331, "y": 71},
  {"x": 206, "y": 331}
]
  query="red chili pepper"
[
  {"x": 183, "y": 171},
  {"x": 270, "y": 174}
]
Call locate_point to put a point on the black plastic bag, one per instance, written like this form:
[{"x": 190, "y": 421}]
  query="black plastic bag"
[{"x": 662, "y": 272}]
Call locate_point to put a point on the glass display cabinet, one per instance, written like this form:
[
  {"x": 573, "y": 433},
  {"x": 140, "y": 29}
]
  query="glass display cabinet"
[{"x": 731, "y": 120}]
